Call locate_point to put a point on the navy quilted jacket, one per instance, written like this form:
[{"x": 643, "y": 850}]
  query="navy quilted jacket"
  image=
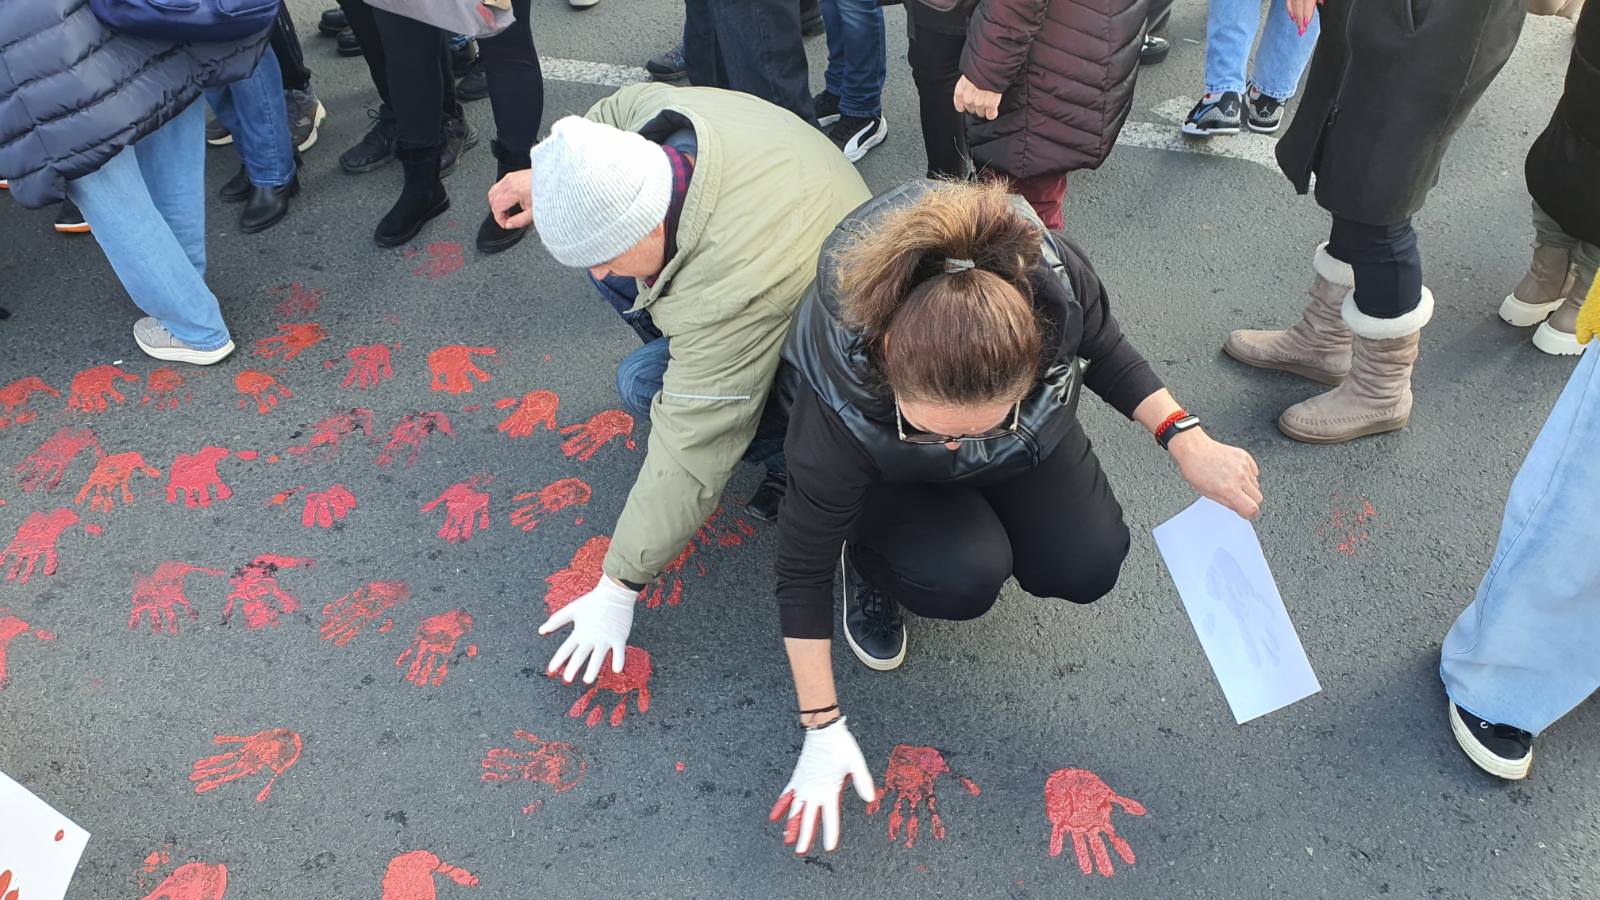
[{"x": 73, "y": 93}]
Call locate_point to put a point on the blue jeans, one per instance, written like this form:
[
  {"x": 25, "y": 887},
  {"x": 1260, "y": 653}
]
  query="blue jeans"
[
  {"x": 147, "y": 209},
  {"x": 1524, "y": 652},
  {"x": 1230, "y": 29},
  {"x": 640, "y": 374},
  {"x": 856, "y": 64},
  {"x": 253, "y": 111}
]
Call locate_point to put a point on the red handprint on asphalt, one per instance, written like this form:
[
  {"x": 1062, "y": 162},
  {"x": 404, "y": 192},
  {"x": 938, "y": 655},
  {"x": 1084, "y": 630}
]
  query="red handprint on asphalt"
[
  {"x": 549, "y": 500},
  {"x": 329, "y": 432},
  {"x": 256, "y": 583},
  {"x": 92, "y": 387},
  {"x": 159, "y": 594},
  {"x": 1078, "y": 803},
  {"x": 410, "y": 876},
  {"x": 555, "y": 763},
  {"x": 369, "y": 365},
  {"x": 463, "y": 503},
  {"x": 110, "y": 474},
  {"x": 161, "y": 389},
  {"x": 345, "y": 617},
  {"x": 579, "y": 577},
  {"x": 323, "y": 507},
  {"x": 302, "y": 301},
  {"x": 453, "y": 368},
  {"x": 36, "y": 537},
  {"x": 46, "y": 466},
  {"x": 436, "y": 640},
  {"x": 276, "y": 748},
  {"x": 669, "y": 586},
  {"x": 15, "y": 395},
  {"x": 257, "y": 385},
  {"x": 602, "y": 428},
  {"x": 193, "y": 881},
  {"x": 291, "y": 340},
  {"x": 911, "y": 774},
  {"x": 194, "y": 475},
  {"x": 534, "y": 410},
  {"x": 12, "y": 628},
  {"x": 633, "y": 679},
  {"x": 411, "y": 431}
]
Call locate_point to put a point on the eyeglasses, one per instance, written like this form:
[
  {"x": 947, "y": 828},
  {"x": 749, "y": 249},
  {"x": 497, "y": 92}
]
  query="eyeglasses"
[{"x": 923, "y": 437}]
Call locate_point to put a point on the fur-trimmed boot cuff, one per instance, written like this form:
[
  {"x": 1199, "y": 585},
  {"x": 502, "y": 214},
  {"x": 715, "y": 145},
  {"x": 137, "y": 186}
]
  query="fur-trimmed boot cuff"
[{"x": 1375, "y": 329}]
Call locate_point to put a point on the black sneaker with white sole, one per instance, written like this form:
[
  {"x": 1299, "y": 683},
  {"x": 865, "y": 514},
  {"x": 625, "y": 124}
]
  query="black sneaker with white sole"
[
  {"x": 1219, "y": 115},
  {"x": 855, "y": 135},
  {"x": 826, "y": 107},
  {"x": 1503, "y": 751},
  {"x": 69, "y": 220},
  {"x": 872, "y": 622},
  {"x": 1263, "y": 112}
]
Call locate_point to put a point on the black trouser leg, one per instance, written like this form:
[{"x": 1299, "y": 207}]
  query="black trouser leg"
[
  {"x": 516, "y": 84},
  {"x": 935, "y": 60},
  {"x": 1387, "y": 264},
  {"x": 752, "y": 46},
  {"x": 358, "y": 15},
  {"x": 291, "y": 59},
  {"x": 1160, "y": 13},
  {"x": 417, "y": 67}
]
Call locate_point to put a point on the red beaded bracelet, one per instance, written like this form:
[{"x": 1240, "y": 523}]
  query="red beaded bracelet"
[{"x": 1168, "y": 422}]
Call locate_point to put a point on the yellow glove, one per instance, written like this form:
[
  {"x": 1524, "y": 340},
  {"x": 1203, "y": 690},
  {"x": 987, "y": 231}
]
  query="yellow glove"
[{"x": 1589, "y": 316}]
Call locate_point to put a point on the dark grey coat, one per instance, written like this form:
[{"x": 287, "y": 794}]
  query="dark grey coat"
[
  {"x": 1390, "y": 83},
  {"x": 1564, "y": 164},
  {"x": 73, "y": 94}
]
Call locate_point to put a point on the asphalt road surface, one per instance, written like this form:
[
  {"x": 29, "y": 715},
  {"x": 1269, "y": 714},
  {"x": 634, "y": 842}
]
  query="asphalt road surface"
[{"x": 387, "y": 683}]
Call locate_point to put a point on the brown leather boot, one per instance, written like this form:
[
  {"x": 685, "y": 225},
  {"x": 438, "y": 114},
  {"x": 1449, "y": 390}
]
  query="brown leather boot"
[
  {"x": 1377, "y": 395},
  {"x": 1558, "y": 336},
  {"x": 1316, "y": 347},
  {"x": 1540, "y": 292}
]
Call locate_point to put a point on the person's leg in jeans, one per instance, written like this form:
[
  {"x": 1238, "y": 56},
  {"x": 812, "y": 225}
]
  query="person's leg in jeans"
[
  {"x": 1230, "y": 31},
  {"x": 147, "y": 210},
  {"x": 856, "y": 58},
  {"x": 935, "y": 58},
  {"x": 755, "y": 47},
  {"x": 516, "y": 96},
  {"x": 253, "y": 111},
  {"x": 1523, "y": 653},
  {"x": 1283, "y": 53}
]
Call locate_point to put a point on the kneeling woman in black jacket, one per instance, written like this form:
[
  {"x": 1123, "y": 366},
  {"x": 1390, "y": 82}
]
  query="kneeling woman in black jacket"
[{"x": 934, "y": 449}]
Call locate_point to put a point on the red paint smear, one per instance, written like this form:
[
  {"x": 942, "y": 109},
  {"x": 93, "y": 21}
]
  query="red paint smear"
[
  {"x": 277, "y": 749},
  {"x": 16, "y": 395},
  {"x": 556, "y": 764},
  {"x": 453, "y": 368},
  {"x": 160, "y": 595},
  {"x": 292, "y": 339},
  {"x": 344, "y": 618},
  {"x": 93, "y": 387},
  {"x": 547, "y": 357},
  {"x": 410, "y": 433},
  {"x": 193, "y": 881},
  {"x": 155, "y": 860},
  {"x": 331, "y": 431},
  {"x": 534, "y": 410},
  {"x": 36, "y": 540},
  {"x": 369, "y": 365},
  {"x": 1078, "y": 803},
  {"x": 464, "y": 504},
  {"x": 93, "y": 530},
  {"x": 445, "y": 258},
  {"x": 435, "y": 641},
  {"x": 11, "y": 628},
  {"x": 911, "y": 774},
  {"x": 264, "y": 389},
  {"x": 323, "y": 508},
  {"x": 60, "y": 835},
  {"x": 602, "y": 428},
  {"x": 301, "y": 301},
  {"x": 410, "y": 876},
  {"x": 633, "y": 679},
  {"x": 579, "y": 577},
  {"x": 714, "y": 533},
  {"x": 273, "y": 458},
  {"x": 473, "y": 408},
  {"x": 162, "y": 390},
  {"x": 45, "y": 466},
  {"x": 110, "y": 476},
  {"x": 1348, "y": 527},
  {"x": 248, "y": 455},
  {"x": 549, "y": 500},
  {"x": 680, "y": 767},
  {"x": 256, "y": 584},
  {"x": 195, "y": 477}
]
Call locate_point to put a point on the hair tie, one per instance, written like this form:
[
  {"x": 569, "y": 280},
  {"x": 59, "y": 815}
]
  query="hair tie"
[{"x": 952, "y": 266}]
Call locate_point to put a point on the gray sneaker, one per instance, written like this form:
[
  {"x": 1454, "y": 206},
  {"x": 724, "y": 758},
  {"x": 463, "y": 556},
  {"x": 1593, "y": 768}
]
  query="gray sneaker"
[
  {"x": 306, "y": 113},
  {"x": 156, "y": 341},
  {"x": 216, "y": 135}
]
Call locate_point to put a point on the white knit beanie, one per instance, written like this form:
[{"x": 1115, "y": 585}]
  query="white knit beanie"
[{"x": 597, "y": 190}]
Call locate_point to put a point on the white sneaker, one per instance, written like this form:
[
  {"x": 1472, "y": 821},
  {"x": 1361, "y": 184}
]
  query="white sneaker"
[
  {"x": 855, "y": 136},
  {"x": 156, "y": 341},
  {"x": 581, "y": 4}
]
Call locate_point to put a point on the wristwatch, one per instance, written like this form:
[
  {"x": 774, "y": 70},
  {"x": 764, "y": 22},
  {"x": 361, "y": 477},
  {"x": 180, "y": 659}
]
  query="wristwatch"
[{"x": 1176, "y": 428}]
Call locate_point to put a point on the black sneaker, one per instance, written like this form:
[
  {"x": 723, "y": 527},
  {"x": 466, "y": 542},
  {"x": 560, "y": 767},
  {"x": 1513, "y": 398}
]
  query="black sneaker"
[
  {"x": 1263, "y": 113},
  {"x": 764, "y": 503},
  {"x": 346, "y": 43},
  {"x": 474, "y": 83},
  {"x": 871, "y": 619},
  {"x": 855, "y": 135},
  {"x": 69, "y": 220},
  {"x": 459, "y": 137},
  {"x": 332, "y": 22},
  {"x": 1503, "y": 751},
  {"x": 668, "y": 66},
  {"x": 375, "y": 149},
  {"x": 826, "y": 105},
  {"x": 1209, "y": 117},
  {"x": 1154, "y": 51},
  {"x": 811, "y": 22}
]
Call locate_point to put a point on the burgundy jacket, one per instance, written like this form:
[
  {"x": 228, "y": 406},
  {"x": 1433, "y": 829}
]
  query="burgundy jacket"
[{"x": 1066, "y": 70}]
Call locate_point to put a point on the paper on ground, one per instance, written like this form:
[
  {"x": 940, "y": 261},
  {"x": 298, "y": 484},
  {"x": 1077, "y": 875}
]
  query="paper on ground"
[
  {"x": 41, "y": 865},
  {"x": 1215, "y": 559}
]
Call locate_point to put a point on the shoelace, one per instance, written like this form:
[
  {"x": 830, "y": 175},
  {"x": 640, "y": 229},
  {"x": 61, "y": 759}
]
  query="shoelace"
[{"x": 880, "y": 615}]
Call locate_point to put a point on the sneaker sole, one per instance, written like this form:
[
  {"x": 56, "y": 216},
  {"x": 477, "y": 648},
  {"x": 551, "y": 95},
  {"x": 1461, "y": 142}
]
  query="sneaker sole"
[
  {"x": 1526, "y": 315},
  {"x": 1364, "y": 431},
  {"x": 223, "y": 141},
  {"x": 1317, "y": 375},
  {"x": 369, "y": 167},
  {"x": 867, "y": 659},
  {"x": 825, "y": 121},
  {"x": 316, "y": 123},
  {"x": 1510, "y": 770},
  {"x": 186, "y": 354},
  {"x": 1556, "y": 343},
  {"x": 1196, "y": 131},
  {"x": 860, "y": 150},
  {"x": 1266, "y": 129},
  {"x": 77, "y": 228}
]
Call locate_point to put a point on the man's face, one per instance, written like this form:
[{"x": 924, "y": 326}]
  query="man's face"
[{"x": 645, "y": 259}]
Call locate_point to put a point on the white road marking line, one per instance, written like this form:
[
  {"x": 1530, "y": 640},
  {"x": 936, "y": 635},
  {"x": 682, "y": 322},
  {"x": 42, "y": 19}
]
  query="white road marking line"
[{"x": 585, "y": 72}]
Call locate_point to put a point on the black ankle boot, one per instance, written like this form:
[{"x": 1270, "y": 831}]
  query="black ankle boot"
[
  {"x": 491, "y": 237},
  {"x": 266, "y": 206},
  {"x": 421, "y": 199}
]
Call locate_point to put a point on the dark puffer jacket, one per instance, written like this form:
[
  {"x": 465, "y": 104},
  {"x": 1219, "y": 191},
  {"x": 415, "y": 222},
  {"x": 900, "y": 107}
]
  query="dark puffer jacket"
[
  {"x": 73, "y": 94},
  {"x": 1564, "y": 165},
  {"x": 1066, "y": 70}
]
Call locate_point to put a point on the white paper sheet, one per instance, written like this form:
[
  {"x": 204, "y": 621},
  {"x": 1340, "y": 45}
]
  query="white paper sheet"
[
  {"x": 1215, "y": 560},
  {"x": 38, "y": 846}
]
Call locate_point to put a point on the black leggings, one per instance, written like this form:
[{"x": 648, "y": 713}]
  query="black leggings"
[
  {"x": 1387, "y": 265},
  {"x": 410, "y": 66},
  {"x": 291, "y": 59},
  {"x": 943, "y": 551},
  {"x": 516, "y": 84},
  {"x": 935, "y": 58}
]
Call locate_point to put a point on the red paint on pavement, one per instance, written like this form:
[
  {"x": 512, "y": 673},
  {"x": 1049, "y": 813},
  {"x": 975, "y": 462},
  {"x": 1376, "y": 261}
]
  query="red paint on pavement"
[
  {"x": 634, "y": 680},
  {"x": 195, "y": 477},
  {"x": 1078, "y": 803},
  {"x": 192, "y": 881},
  {"x": 16, "y": 395},
  {"x": 45, "y": 467},
  {"x": 453, "y": 368},
  {"x": 344, "y": 618},
  {"x": 464, "y": 504},
  {"x": 534, "y": 410},
  {"x": 601, "y": 429},
  {"x": 36, "y": 540},
  {"x": 1348, "y": 529},
  {"x": 369, "y": 365},
  {"x": 11, "y": 628},
  {"x": 329, "y": 432},
  {"x": 164, "y": 390},
  {"x": 430, "y": 651},
  {"x": 256, "y": 584},
  {"x": 444, "y": 258},
  {"x": 110, "y": 476},
  {"x": 160, "y": 595},
  {"x": 410, "y": 433},
  {"x": 555, "y": 763},
  {"x": 93, "y": 387},
  {"x": 323, "y": 508},
  {"x": 292, "y": 339},
  {"x": 714, "y": 533},
  {"x": 297, "y": 300},
  {"x": 276, "y": 749},
  {"x": 410, "y": 876},
  {"x": 264, "y": 389},
  {"x": 549, "y": 500},
  {"x": 579, "y": 577},
  {"x": 911, "y": 774}
]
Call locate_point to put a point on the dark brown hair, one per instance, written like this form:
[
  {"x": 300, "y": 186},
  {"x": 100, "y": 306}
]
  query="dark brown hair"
[{"x": 938, "y": 335}]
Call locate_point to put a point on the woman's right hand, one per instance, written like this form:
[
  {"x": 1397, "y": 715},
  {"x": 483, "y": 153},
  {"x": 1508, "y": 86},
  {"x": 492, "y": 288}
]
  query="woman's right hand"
[{"x": 828, "y": 757}]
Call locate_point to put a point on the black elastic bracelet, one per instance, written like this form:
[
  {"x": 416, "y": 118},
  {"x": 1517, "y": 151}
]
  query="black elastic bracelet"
[
  {"x": 821, "y": 725},
  {"x": 820, "y": 709}
]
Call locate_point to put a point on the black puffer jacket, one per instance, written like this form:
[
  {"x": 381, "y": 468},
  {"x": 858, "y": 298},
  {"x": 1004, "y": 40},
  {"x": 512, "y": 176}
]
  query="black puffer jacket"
[
  {"x": 73, "y": 94},
  {"x": 1564, "y": 165}
]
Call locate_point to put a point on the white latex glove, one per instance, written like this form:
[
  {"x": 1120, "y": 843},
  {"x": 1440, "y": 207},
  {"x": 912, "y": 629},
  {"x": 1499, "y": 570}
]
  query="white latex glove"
[
  {"x": 600, "y": 620},
  {"x": 828, "y": 756}
]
